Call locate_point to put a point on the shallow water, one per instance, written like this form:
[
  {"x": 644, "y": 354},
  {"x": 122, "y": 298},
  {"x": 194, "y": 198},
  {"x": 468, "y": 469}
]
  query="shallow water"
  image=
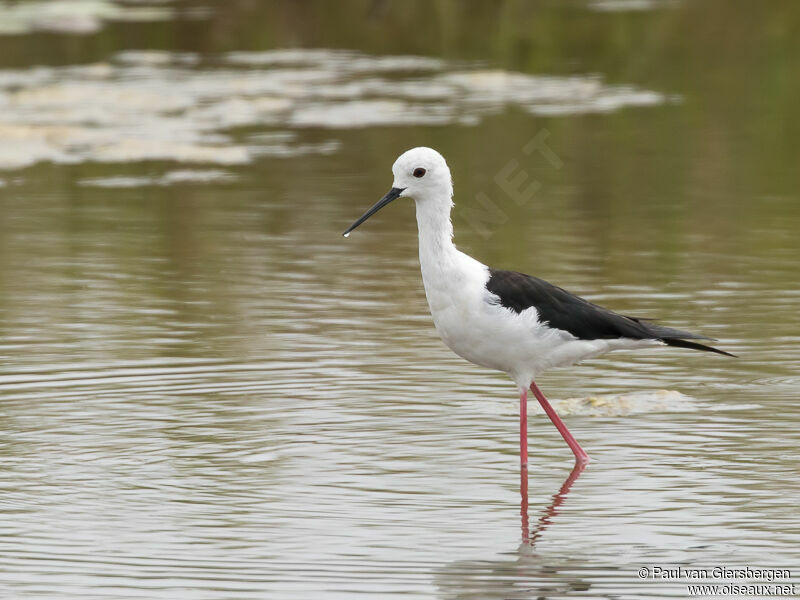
[{"x": 206, "y": 392}]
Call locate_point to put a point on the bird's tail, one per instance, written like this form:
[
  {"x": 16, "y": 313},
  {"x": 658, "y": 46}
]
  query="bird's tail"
[
  {"x": 678, "y": 343},
  {"x": 678, "y": 338}
]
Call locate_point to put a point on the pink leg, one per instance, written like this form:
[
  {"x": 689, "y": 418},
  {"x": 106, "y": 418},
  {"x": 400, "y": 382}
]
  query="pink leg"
[
  {"x": 523, "y": 459},
  {"x": 581, "y": 457},
  {"x": 523, "y": 505},
  {"x": 523, "y": 431}
]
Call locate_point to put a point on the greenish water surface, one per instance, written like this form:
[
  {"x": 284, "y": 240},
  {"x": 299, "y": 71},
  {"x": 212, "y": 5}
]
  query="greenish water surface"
[{"x": 206, "y": 392}]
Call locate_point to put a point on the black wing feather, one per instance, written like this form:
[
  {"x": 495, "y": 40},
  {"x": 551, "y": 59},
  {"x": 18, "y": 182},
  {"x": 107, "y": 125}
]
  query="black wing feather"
[{"x": 581, "y": 318}]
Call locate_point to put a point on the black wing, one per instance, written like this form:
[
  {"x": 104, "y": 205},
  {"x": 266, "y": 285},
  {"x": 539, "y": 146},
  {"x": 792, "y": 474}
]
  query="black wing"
[{"x": 586, "y": 321}]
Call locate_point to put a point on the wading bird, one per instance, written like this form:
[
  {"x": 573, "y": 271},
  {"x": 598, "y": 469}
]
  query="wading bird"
[{"x": 505, "y": 320}]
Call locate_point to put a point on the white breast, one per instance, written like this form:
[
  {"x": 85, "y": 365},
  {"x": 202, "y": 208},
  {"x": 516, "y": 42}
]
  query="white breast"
[
  {"x": 471, "y": 320},
  {"x": 475, "y": 326}
]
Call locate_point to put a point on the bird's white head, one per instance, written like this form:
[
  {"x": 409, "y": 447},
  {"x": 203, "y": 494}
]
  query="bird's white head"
[{"x": 420, "y": 174}]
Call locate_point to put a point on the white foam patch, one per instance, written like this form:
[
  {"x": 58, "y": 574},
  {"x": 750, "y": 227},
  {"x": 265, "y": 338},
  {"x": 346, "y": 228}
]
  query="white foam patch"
[
  {"x": 612, "y": 405},
  {"x": 116, "y": 182},
  {"x": 602, "y": 405},
  {"x": 155, "y": 105},
  {"x": 548, "y": 95},
  {"x": 188, "y": 176},
  {"x": 342, "y": 60},
  {"x": 367, "y": 113},
  {"x": 170, "y": 178},
  {"x": 76, "y": 17},
  {"x": 156, "y": 57},
  {"x": 628, "y": 5}
]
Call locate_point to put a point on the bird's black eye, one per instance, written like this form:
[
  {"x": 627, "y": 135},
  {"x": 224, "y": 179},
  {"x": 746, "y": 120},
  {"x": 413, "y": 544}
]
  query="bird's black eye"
[{"x": 419, "y": 172}]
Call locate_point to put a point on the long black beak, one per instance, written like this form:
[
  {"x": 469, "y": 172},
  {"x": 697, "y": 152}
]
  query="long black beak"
[{"x": 393, "y": 194}]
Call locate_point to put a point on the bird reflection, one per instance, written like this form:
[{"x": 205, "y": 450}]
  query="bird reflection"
[
  {"x": 531, "y": 536},
  {"x": 523, "y": 574}
]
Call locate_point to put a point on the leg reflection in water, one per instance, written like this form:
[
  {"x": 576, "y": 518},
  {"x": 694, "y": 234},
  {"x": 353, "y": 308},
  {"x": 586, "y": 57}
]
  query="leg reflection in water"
[{"x": 530, "y": 536}]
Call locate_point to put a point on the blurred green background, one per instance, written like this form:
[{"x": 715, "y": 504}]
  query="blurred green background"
[{"x": 198, "y": 372}]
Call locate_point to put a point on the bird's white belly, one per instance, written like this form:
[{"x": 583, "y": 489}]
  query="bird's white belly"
[
  {"x": 470, "y": 336},
  {"x": 475, "y": 326},
  {"x": 492, "y": 336}
]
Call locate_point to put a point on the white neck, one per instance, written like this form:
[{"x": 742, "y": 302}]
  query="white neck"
[
  {"x": 434, "y": 225},
  {"x": 435, "y": 235}
]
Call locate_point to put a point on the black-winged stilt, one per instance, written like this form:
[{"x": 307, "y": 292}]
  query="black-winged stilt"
[{"x": 505, "y": 320}]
